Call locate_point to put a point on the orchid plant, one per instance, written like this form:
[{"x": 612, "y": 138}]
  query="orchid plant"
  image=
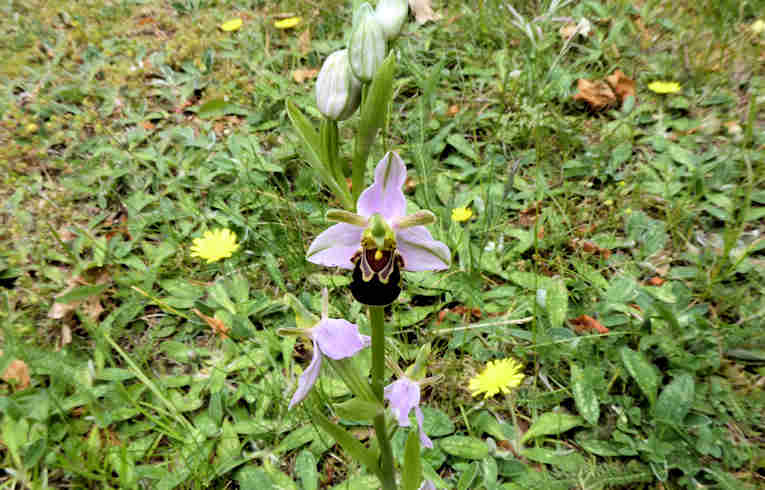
[
  {"x": 374, "y": 238},
  {"x": 376, "y": 242}
]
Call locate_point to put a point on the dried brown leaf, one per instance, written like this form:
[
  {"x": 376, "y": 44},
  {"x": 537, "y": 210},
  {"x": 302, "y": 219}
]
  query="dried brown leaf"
[
  {"x": 17, "y": 373},
  {"x": 216, "y": 324},
  {"x": 423, "y": 11},
  {"x": 567, "y": 31},
  {"x": 585, "y": 323},
  {"x": 302, "y": 74},
  {"x": 621, "y": 84},
  {"x": 304, "y": 41},
  {"x": 597, "y": 94}
]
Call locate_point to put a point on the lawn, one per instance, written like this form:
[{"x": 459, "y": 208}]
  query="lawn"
[{"x": 605, "y": 231}]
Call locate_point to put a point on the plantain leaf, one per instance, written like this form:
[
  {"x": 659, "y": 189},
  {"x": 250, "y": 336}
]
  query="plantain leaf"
[
  {"x": 551, "y": 423},
  {"x": 642, "y": 371}
]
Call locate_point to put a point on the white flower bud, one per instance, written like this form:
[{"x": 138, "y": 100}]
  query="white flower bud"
[
  {"x": 338, "y": 92},
  {"x": 391, "y": 14},
  {"x": 366, "y": 47}
]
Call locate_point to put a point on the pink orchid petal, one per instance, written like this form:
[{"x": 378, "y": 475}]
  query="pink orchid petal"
[
  {"x": 424, "y": 439},
  {"x": 420, "y": 251},
  {"x": 338, "y": 338},
  {"x": 385, "y": 196},
  {"x": 308, "y": 378},
  {"x": 403, "y": 395},
  {"x": 335, "y": 246}
]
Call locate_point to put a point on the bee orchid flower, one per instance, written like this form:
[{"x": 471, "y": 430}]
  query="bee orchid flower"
[
  {"x": 379, "y": 239},
  {"x": 332, "y": 337},
  {"x": 403, "y": 395}
]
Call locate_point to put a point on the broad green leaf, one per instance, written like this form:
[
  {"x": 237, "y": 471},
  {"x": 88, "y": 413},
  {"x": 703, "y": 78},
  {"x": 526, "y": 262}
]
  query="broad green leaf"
[
  {"x": 218, "y": 107},
  {"x": 464, "y": 447},
  {"x": 641, "y": 371},
  {"x": 411, "y": 474},
  {"x": 218, "y": 293},
  {"x": 228, "y": 446},
  {"x": 296, "y": 438},
  {"x": 552, "y": 423},
  {"x": 557, "y": 302},
  {"x": 178, "y": 351},
  {"x": 676, "y": 399},
  {"x": 362, "y": 482},
  {"x": 605, "y": 448},
  {"x": 305, "y": 469},
  {"x": 358, "y": 409},
  {"x": 81, "y": 293},
  {"x": 584, "y": 394},
  {"x": 436, "y": 423},
  {"x": 468, "y": 477},
  {"x": 490, "y": 470},
  {"x": 458, "y": 141},
  {"x": 684, "y": 156}
]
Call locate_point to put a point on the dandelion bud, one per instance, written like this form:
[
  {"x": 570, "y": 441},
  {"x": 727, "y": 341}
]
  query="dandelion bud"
[
  {"x": 366, "y": 47},
  {"x": 391, "y": 14},
  {"x": 338, "y": 92}
]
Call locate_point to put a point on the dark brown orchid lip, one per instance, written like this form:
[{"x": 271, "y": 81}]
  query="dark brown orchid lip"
[{"x": 376, "y": 276}]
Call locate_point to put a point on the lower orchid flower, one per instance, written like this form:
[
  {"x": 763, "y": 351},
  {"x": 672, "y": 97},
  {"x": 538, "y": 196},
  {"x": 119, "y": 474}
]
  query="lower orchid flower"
[
  {"x": 332, "y": 337},
  {"x": 380, "y": 239},
  {"x": 403, "y": 395}
]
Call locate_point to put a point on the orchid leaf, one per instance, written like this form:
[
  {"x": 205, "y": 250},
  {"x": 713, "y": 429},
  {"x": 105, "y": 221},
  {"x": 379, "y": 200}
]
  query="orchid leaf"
[
  {"x": 349, "y": 443},
  {"x": 315, "y": 154},
  {"x": 374, "y": 112},
  {"x": 411, "y": 474},
  {"x": 359, "y": 410}
]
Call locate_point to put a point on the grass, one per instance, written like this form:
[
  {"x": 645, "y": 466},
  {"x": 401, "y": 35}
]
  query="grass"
[{"x": 130, "y": 128}]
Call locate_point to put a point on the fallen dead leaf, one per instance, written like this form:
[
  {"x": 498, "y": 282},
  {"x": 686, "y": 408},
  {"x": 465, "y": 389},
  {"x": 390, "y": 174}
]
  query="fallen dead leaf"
[
  {"x": 423, "y": 11},
  {"x": 216, "y": 324},
  {"x": 585, "y": 323},
  {"x": 302, "y": 74},
  {"x": 597, "y": 94},
  {"x": 590, "y": 248},
  {"x": 66, "y": 335},
  {"x": 91, "y": 306},
  {"x": 304, "y": 42},
  {"x": 453, "y": 110},
  {"x": 655, "y": 281},
  {"x": 567, "y": 31},
  {"x": 621, "y": 84},
  {"x": 17, "y": 373}
]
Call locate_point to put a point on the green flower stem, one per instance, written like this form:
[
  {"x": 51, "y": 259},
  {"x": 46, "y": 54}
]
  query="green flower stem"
[{"x": 377, "y": 324}]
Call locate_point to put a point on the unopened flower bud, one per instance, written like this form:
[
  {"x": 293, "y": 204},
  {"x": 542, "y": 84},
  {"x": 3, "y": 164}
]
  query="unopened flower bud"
[
  {"x": 391, "y": 14},
  {"x": 366, "y": 47},
  {"x": 338, "y": 92}
]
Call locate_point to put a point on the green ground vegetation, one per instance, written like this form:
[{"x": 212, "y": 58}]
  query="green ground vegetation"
[{"x": 129, "y": 127}]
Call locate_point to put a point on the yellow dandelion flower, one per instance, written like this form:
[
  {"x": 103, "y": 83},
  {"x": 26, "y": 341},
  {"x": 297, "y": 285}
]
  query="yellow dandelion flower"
[
  {"x": 664, "y": 87},
  {"x": 758, "y": 26},
  {"x": 215, "y": 245},
  {"x": 231, "y": 25},
  {"x": 461, "y": 214},
  {"x": 499, "y": 376},
  {"x": 287, "y": 23}
]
